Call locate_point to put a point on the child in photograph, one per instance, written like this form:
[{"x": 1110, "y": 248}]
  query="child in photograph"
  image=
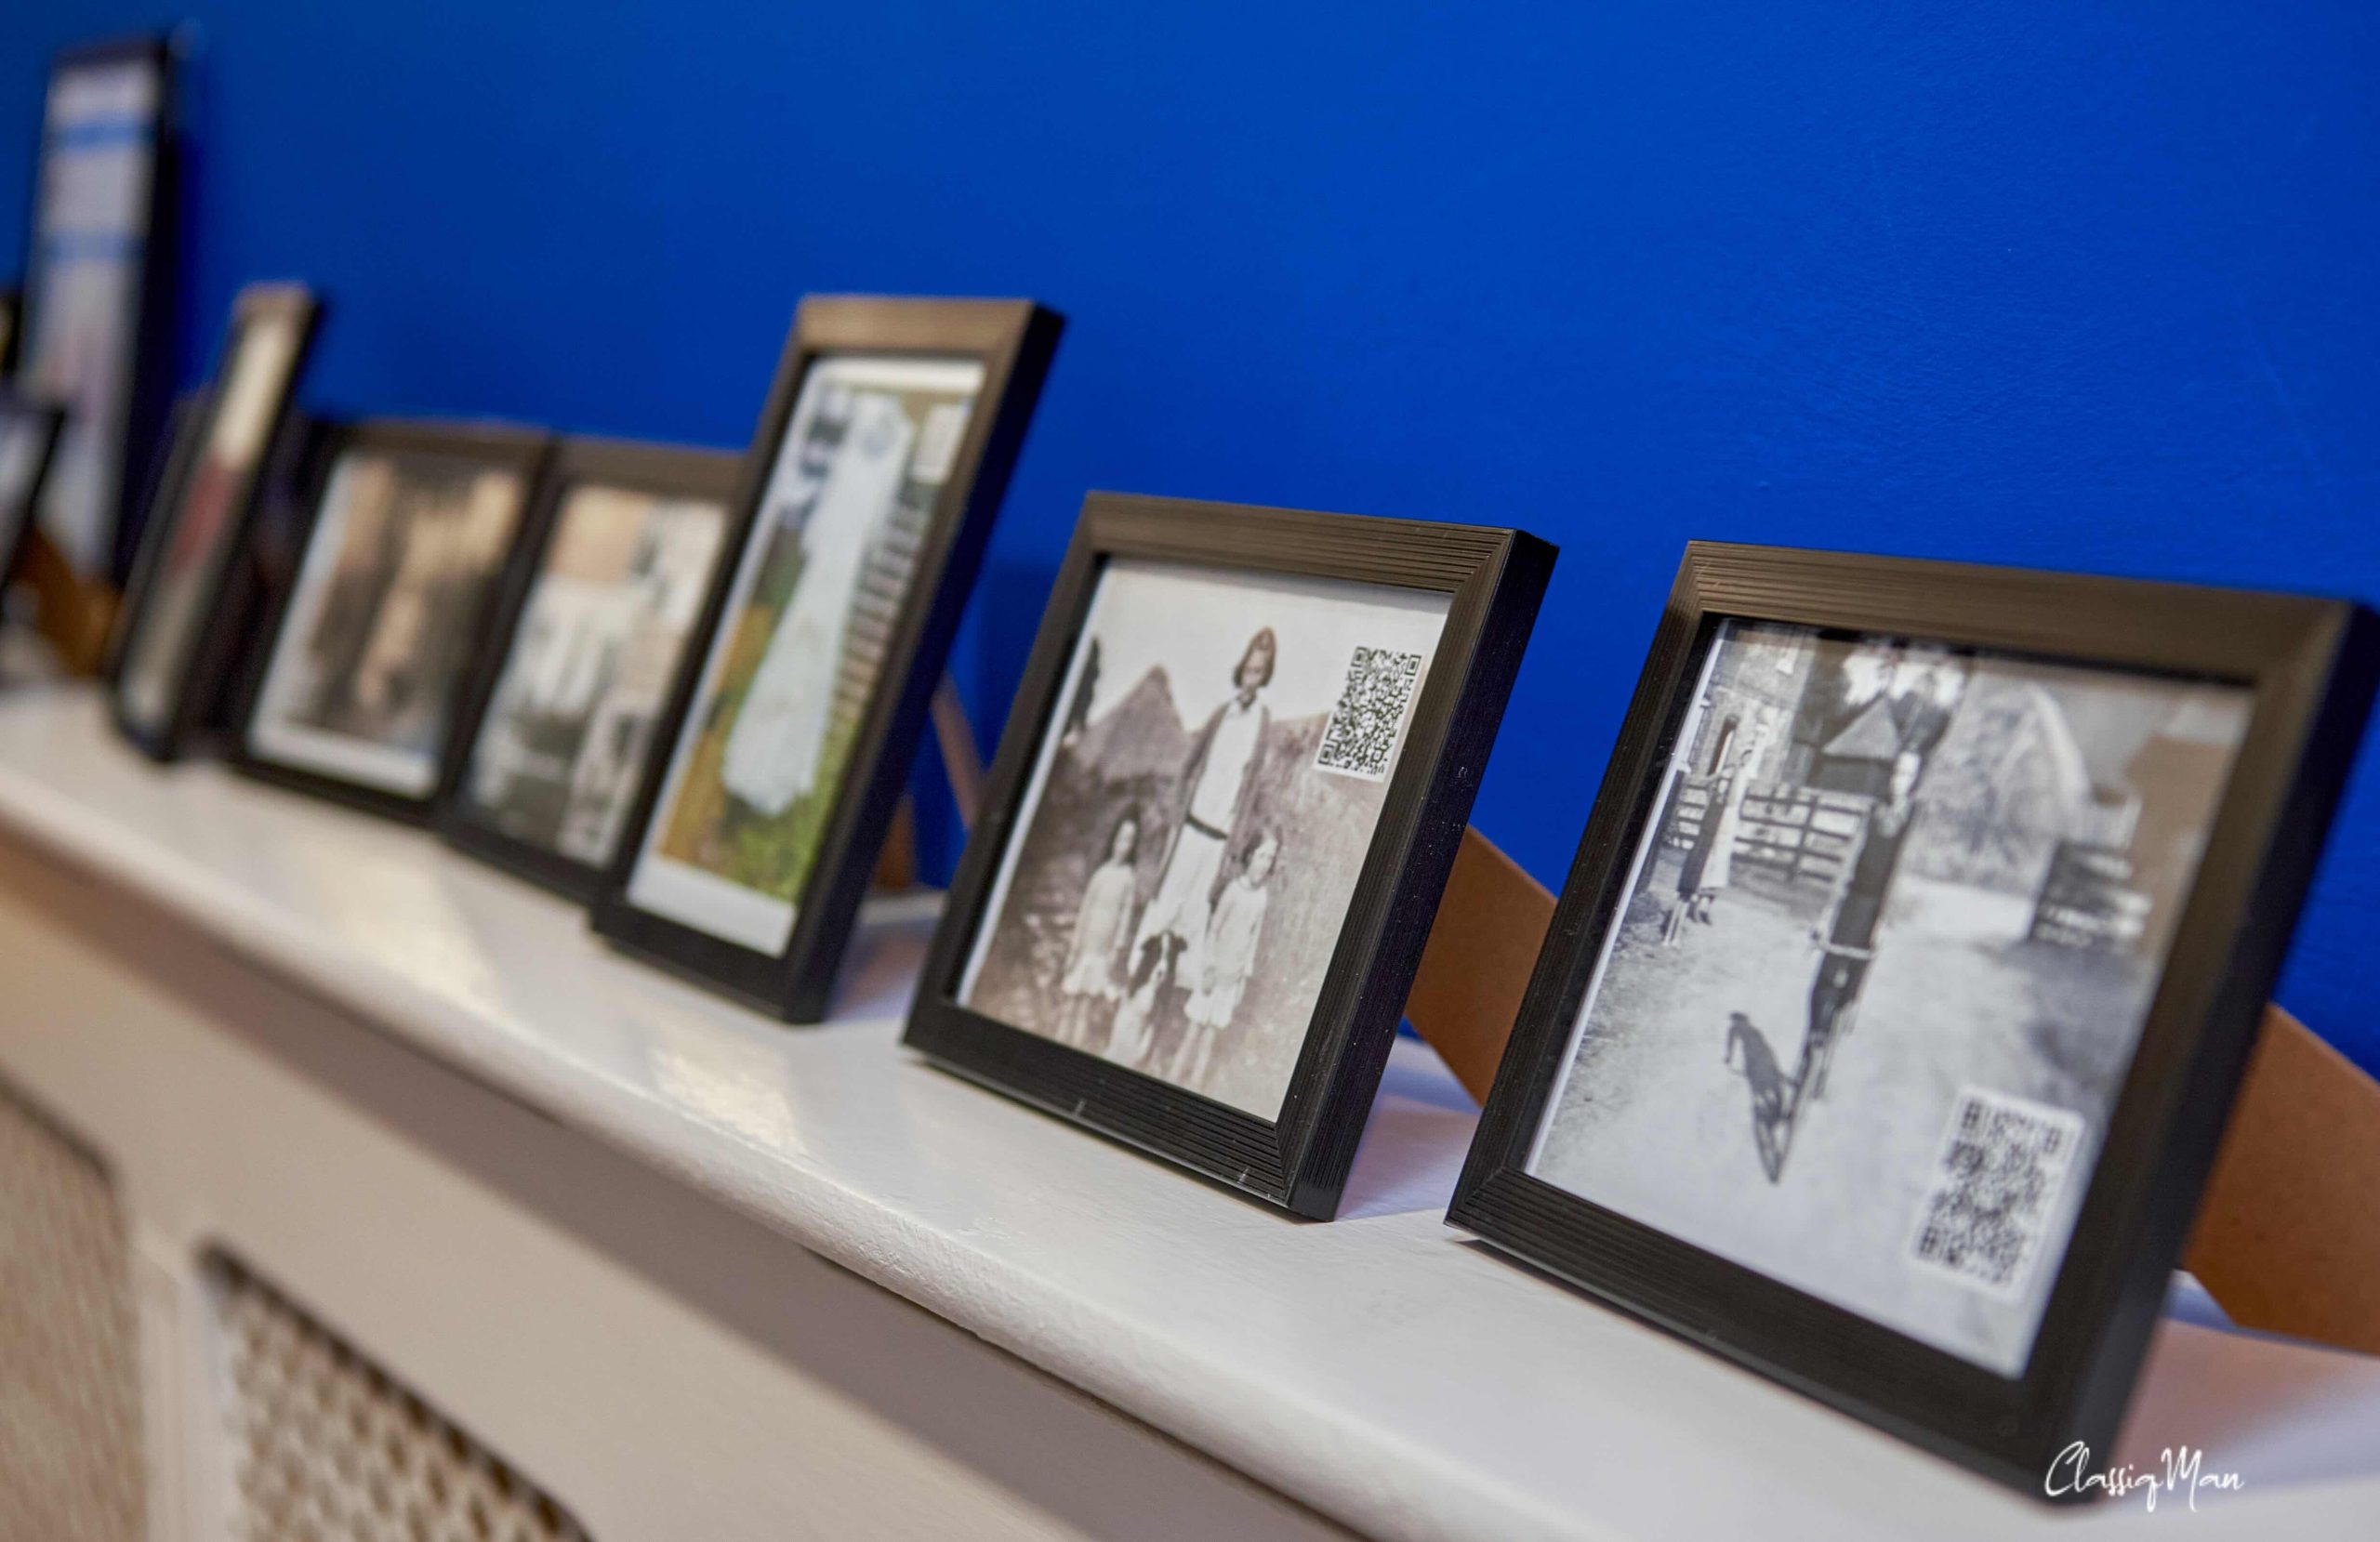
[
  {"x": 1228, "y": 961},
  {"x": 1093, "y": 981}
]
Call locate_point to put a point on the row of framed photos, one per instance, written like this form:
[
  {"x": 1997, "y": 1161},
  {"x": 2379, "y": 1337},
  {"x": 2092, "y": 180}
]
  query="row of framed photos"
[{"x": 1891, "y": 1011}]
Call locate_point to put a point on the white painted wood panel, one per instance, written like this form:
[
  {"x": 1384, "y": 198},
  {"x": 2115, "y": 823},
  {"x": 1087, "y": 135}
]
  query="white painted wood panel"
[{"x": 554, "y": 1102}]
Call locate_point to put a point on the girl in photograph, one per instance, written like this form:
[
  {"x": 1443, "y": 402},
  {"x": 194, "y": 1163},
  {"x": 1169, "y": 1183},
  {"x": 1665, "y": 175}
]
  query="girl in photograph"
[
  {"x": 1093, "y": 981},
  {"x": 1228, "y": 961}
]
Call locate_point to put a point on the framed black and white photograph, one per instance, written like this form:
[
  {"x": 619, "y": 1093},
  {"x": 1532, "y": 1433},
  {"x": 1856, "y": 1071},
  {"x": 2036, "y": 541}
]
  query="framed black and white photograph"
[
  {"x": 180, "y": 630},
  {"x": 28, "y": 438},
  {"x": 99, "y": 289},
  {"x": 379, "y": 632},
  {"x": 1893, "y": 1009},
  {"x": 623, "y": 543},
  {"x": 876, "y": 470},
  {"x": 1229, "y": 795}
]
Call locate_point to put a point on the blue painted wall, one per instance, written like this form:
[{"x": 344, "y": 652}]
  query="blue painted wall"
[{"x": 2087, "y": 285}]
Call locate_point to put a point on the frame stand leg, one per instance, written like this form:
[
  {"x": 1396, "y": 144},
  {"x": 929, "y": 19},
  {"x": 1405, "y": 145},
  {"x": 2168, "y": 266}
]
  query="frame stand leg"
[
  {"x": 2288, "y": 1237},
  {"x": 962, "y": 763},
  {"x": 73, "y": 615}
]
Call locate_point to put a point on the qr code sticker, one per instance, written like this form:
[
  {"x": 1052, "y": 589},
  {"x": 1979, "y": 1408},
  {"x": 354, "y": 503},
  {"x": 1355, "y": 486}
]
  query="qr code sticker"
[
  {"x": 2000, "y": 1168},
  {"x": 1361, "y": 740}
]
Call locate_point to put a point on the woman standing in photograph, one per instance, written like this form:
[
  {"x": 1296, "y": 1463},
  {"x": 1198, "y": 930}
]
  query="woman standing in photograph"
[{"x": 1215, "y": 785}]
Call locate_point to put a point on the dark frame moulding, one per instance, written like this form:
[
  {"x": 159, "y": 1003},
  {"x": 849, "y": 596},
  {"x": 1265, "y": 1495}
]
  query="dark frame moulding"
[
  {"x": 195, "y": 696},
  {"x": 148, "y": 390},
  {"x": 1015, "y": 340},
  {"x": 167, "y": 472},
  {"x": 502, "y": 447},
  {"x": 48, "y": 420},
  {"x": 2311, "y": 664},
  {"x": 671, "y": 471},
  {"x": 268, "y": 562},
  {"x": 1495, "y": 579}
]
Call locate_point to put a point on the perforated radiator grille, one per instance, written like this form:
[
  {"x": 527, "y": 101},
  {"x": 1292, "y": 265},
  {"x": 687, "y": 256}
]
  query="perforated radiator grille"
[
  {"x": 71, "y": 1467},
  {"x": 327, "y": 1447}
]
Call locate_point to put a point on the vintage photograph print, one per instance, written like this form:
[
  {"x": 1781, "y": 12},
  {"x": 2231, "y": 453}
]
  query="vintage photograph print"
[
  {"x": 178, "y": 633},
  {"x": 388, "y": 614},
  {"x": 1850, "y": 1054},
  {"x": 1193, "y": 832},
  {"x": 623, "y": 542},
  {"x": 882, "y": 458},
  {"x": 1226, "y": 773}
]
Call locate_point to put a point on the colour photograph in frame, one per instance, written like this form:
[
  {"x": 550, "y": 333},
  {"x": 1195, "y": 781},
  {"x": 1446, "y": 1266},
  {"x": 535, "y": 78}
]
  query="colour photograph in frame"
[
  {"x": 388, "y": 613},
  {"x": 876, "y": 471},
  {"x": 625, "y": 543},
  {"x": 1227, "y": 800},
  {"x": 1891, "y": 1012},
  {"x": 168, "y": 667},
  {"x": 95, "y": 291},
  {"x": 755, "y": 774}
]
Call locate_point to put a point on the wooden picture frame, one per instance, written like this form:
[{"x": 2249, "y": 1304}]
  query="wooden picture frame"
[
  {"x": 664, "y": 473},
  {"x": 991, "y": 355},
  {"x": 265, "y": 352},
  {"x": 515, "y": 454},
  {"x": 2294, "y": 680},
  {"x": 1484, "y": 584},
  {"x": 137, "y": 411},
  {"x": 33, "y": 427}
]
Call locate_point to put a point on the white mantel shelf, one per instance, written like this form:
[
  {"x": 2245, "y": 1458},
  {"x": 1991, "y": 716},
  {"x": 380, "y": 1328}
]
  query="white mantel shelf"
[{"x": 1377, "y": 1368}]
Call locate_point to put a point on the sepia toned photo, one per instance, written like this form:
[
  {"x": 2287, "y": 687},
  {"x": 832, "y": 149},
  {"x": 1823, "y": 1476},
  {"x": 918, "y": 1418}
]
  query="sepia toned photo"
[
  {"x": 180, "y": 584},
  {"x": 561, "y": 746},
  {"x": 361, "y": 682},
  {"x": 827, "y": 566},
  {"x": 1889, "y": 941},
  {"x": 1185, "y": 855}
]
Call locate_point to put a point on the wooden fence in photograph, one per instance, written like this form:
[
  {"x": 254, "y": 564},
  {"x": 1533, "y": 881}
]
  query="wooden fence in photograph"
[{"x": 1795, "y": 835}]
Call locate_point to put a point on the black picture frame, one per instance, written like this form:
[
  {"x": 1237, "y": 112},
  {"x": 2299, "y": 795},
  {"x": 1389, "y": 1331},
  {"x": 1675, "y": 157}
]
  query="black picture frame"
[
  {"x": 194, "y": 697},
  {"x": 148, "y": 388},
  {"x": 669, "y": 471},
  {"x": 500, "y": 447},
  {"x": 167, "y": 473},
  {"x": 1494, "y": 579},
  {"x": 1013, "y": 341},
  {"x": 43, "y": 421},
  {"x": 268, "y": 561},
  {"x": 2310, "y": 664}
]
